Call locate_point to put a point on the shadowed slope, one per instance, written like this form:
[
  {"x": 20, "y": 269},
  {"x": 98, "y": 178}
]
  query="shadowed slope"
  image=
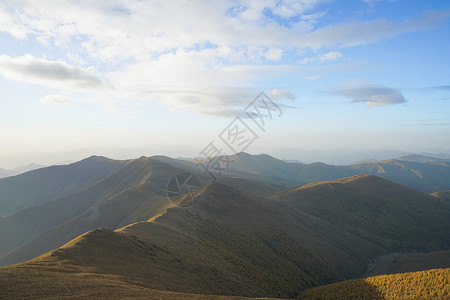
[
  {"x": 232, "y": 243},
  {"x": 38, "y": 186},
  {"x": 386, "y": 213},
  {"x": 192, "y": 249},
  {"x": 427, "y": 177}
]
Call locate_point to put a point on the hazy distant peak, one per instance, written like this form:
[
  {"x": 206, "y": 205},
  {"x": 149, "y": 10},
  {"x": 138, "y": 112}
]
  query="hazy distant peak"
[{"x": 94, "y": 158}]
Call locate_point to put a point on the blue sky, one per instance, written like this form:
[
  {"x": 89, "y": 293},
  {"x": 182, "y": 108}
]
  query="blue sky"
[{"x": 168, "y": 77}]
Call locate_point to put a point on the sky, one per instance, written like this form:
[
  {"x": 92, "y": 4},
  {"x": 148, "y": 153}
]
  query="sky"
[{"x": 124, "y": 78}]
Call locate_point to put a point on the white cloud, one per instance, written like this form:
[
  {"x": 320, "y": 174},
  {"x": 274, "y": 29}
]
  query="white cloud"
[
  {"x": 144, "y": 29},
  {"x": 274, "y": 54},
  {"x": 373, "y": 95},
  {"x": 312, "y": 77},
  {"x": 56, "y": 99},
  {"x": 57, "y": 74},
  {"x": 278, "y": 94},
  {"x": 325, "y": 57},
  {"x": 330, "y": 56},
  {"x": 162, "y": 50}
]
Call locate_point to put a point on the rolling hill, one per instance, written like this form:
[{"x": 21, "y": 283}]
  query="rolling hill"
[
  {"x": 388, "y": 214},
  {"x": 229, "y": 242},
  {"x": 240, "y": 236},
  {"x": 19, "y": 170},
  {"x": 423, "y": 158},
  {"x": 426, "y": 175},
  {"x": 42, "y": 185},
  {"x": 135, "y": 193}
]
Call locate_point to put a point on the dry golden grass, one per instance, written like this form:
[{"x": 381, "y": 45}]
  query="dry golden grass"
[
  {"x": 430, "y": 284},
  {"x": 34, "y": 281}
]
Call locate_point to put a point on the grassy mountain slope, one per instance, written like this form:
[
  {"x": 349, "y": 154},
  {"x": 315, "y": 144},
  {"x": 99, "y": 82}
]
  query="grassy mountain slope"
[
  {"x": 136, "y": 193},
  {"x": 233, "y": 243},
  {"x": 320, "y": 172},
  {"x": 39, "y": 280},
  {"x": 420, "y": 262},
  {"x": 422, "y": 158},
  {"x": 430, "y": 284},
  {"x": 386, "y": 213},
  {"x": 38, "y": 186},
  {"x": 231, "y": 178},
  {"x": 427, "y": 177},
  {"x": 191, "y": 249},
  {"x": 247, "y": 185},
  {"x": 443, "y": 196}
]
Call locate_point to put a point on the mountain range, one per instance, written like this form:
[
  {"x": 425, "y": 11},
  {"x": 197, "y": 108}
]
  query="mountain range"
[
  {"x": 19, "y": 170},
  {"x": 265, "y": 228}
]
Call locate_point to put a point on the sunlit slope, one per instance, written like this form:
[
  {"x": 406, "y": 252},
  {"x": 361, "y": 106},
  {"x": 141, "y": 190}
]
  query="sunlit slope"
[{"x": 430, "y": 284}]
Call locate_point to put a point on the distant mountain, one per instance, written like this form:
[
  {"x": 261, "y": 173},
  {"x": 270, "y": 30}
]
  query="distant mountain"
[
  {"x": 70, "y": 194},
  {"x": 6, "y": 173},
  {"x": 430, "y": 284},
  {"x": 337, "y": 156},
  {"x": 423, "y": 159},
  {"x": 436, "y": 155},
  {"x": 41, "y": 185},
  {"x": 427, "y": 177}
]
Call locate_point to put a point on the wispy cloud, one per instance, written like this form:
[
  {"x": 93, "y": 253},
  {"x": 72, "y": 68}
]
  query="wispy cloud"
[
  {"x": 442, "y": 87},
  {"x": 58, "y": 74},
  {"x": 57, "y": 100},
  {"x": 372, "y": 95},
  {"x": 278, "y": 94},
  {"x": 325, "y": 57},
  {"x": 363, "y": 33},
  {"x": 166, "y": 53},
  {"x": 428, "y": 124},
  {"x": 312, "y": 77}
]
